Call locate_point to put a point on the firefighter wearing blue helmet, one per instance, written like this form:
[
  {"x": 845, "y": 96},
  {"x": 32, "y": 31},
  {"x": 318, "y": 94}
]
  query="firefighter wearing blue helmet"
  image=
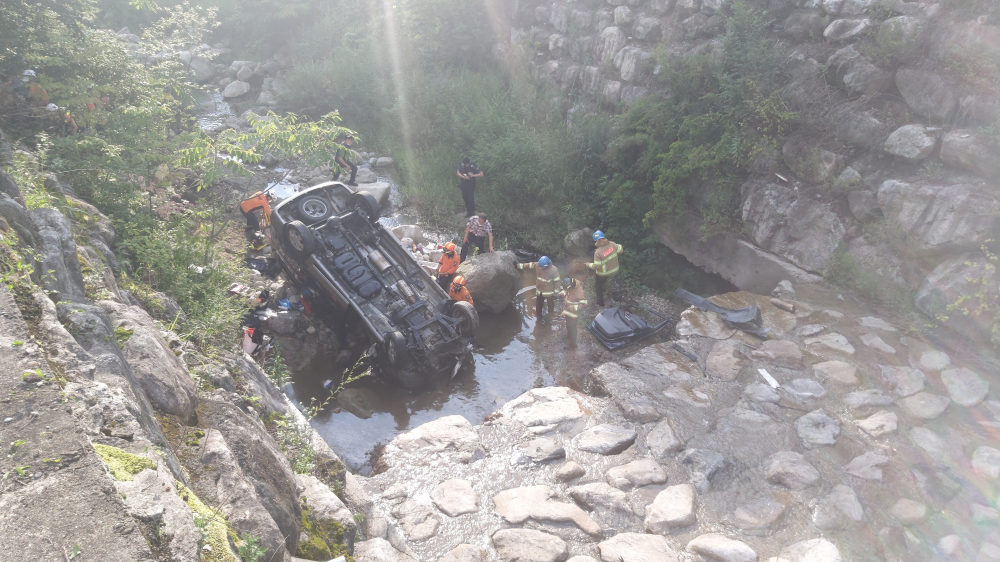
[
  {"x": 605, "y": 263},
  {"x": 546, "y": 284}
]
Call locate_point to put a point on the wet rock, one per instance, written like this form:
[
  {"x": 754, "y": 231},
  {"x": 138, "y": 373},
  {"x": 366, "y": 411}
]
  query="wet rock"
[
  {"x": 791, "y": 470},
  {"x": 984, "y": 514},
  {"x": 417, "y": 520},
  {"x": 760, "y": 392},
  {"x": 492, "y": 279},
  {"x": 905, "y": 381},
  {"x": 325, "y": 506},
  {"x": 815, "y": 550},
  {"x": 455, "y": 497},
  {"x": 581, "y": 559},
  {"x": 702, "y": 465},
  {"x": 639, "y": 409},
  {"x": 355, "y": 401},
  {"x": 934, "y": 360},
  {"x": 395, "y": 492},
  {"x": 545, "y": 408},
  {"x": 968, "y": 150},
  {"x": 837, "y": 371},
  {"x": 637, "y": 547},
  {"x": 517, "y": 505},
  {"x": 928, "y": 441},
  {"x": 805, "y": 389},
  {"x": 672, "y": 508},
  {"x": 236, "y": 89},
  {"x": 600, "y": 496},
  {"x": 723, "y": 362},
  {"x": 877, "y": 323},
  {"x": 662, "y": 441},
  {"x": 817, "y": 428},
  {"x": 927, "y": 93},
  {"x": 924, "y": 405},
  {"x": 986, "y": 462},
  {"x": 965, "y": 387},
  {"x": 570, "y": 471},
  {"x": 782, "y": 353},
  {"x": 866, "y": 465},
  {"x": 758, "y": 516},
  {"x": 829, "y": 342},
  {"x": 636, "y": 474},
  {"x": 440, "y": 442},
  {"x": 541, "y": 449},
  {"x": 875, "y": 342},
  {"x": 910, "y": 142},
  {"x": 908, "y": 512},
  {"x": 366, "y": 175},
  {"x": 879, "y": 424},
  {"x": 465, "y": 553},
  {"x": 838, "y": 509},
  {"x": 375, "y": 550},
  {"x": 525, "y": 545},
  {"x": 605, "y": 439},
  {"x": 720, "y": 548}
]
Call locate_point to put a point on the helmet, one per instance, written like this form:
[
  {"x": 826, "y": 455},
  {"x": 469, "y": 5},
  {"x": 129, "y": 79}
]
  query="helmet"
[
  {"x": 567, "y": 283},
  {"x": 29, "y": 73},
  {"x": 598, "y": 235},
  {"x": 544, "y": 262},
  {"x": 459, "y": 281},
  {"x": 449, "y": 247}
]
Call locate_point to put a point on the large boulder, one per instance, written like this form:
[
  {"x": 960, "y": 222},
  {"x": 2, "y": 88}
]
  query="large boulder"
[
  {"x": 9, "y": 188},
  {"x": 380, "y": 190},
  {"x": 59, "y": 264},
  {"x": 855, "y": 73},
  {"x": 202, "y": 69},
  {"x": 961, "y": 278},
  {"x": 492, "y": 279},
  {"x": 610, "y": 42},
  {"x": 450, "y": 439},
  {"x": 799, "y": 229},
  {"x": 846, "y": 29},
  {"x": 970, "y": 151},
  {"x": 809, "y": 162},
  {"x": 236, "y": 89},
  {"x": 629, "y": 62},
  {"x": 857, "y": 127},
  {"x": 910, "y": 142},
  {"x": 938, "y": 219},
  {"x": 579, "y": 243},
  {"x": 928, "y": 94}
]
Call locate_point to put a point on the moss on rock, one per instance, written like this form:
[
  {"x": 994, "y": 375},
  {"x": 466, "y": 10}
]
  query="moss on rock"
[
  {"x": 324, "y": 539},
  {"x": 215, "y": 530},
  {"x": 122, "y": 465}
]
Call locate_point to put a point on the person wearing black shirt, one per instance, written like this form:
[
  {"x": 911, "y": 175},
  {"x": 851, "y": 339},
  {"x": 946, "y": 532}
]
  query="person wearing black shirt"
[
  {"x": 469, "y": 171},
  {"x": 343, "y": 159}
]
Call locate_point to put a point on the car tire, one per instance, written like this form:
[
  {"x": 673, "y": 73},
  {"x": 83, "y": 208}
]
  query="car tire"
[
  {"x": 396, "y": 351},
  {"x": 300, "y": 239},
  {"x": 467, "y": 315},
  {"x": 366, "y": 203},
  {"x": 314, "y": 208}
]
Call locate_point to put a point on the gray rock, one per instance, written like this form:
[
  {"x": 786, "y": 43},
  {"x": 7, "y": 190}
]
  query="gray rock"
[
  {"x": 702, "y": 465},
  {"x": 517, "y": 505},
  {"x": 465, "y": 553},
  {"x": 780, "y": 353},
  {"x": 862, "y": 203},
  {"x": 636, "y": 474},
  {"x": 838, "y": 509},
  {"x": 791, "y": 470},
  {"x": 605, "y": 439},
  {"x": 541, "y": 449},
  {"x": 930, "y": 95},
  {"x": 639, "y": 409},
  {"x": 58, "y": 263},
  {"x": 581, "y": 559},
  {"x": 760, "y": 392},
  {"x": 867, "y": 399},
  {"x": 968, "y": 150},
  {"x": 578, "y": 243},
  {"x": 720, "y": 548},
  {"x": 672, "y": 508},
  {"x": 830, "y": 342},
  {"x": 569, "y": 471},
  {"x": 244, "y": 74},
  {"x": 804, "y": 389},
  {"x": 814, "y": 550},
  {"x": 491, "y": 279},
  {"x": 610, "y": 43},
  {"x": 382, "y": 162},
  {"x": 809, "y": 162},
  {"x": 525, "y": 545},
  {"x": 904, "y": 381},
  {"x": 417, "y": 520},
  {"x": 855, "y": 7},
  {"x": 411, "y": 231},
  {"x": 637, "y": 547},
  {"x": 866, "y": 465},
  {"x": 395, "y": 492},
  {"x": 986, "y": 462},
  {"x": 380, "y": 190},
  {"x": 817, "y": 428},
  {"x": 802, "y": 24},
  {"x": 236, "y": 89},
  {"x": 875, "y": 342},
  {"x": 629, "y": 61},
  {"x": 855, "y": 73},
  {"x": 837, "y": 371},
  {"x": 724, "y": 362},
  {"x": 646, "y": 28},
  {"x": 325, "y": 507},
  {"x": 879, "y": 424},
  {"x": 934, "y": 360},
  {"x": 924, "y": 405},
  {"x": 9, "y": 188},
  {"x": 443, "y": 441},
  {"x": 928, "y": 441},
  {"x": 355, "y": 401},
  {"x": 623, "y": 16},
  {"x": 662, "y": 441},
  {"x": 600, "y": 496},
  {"x": 202, "y": 68},
  {"x": 376, "y": 550},
  {"x": 910, "y": 142},
  {"x": 965, "y": 387},
  {"x": 758, "y": 516},
  {"x": 862, "y": 129},
  {"x": 846, "y": 29},
  {"x": 908, "y": 512},
  {"x": 151, "y": 497},
  {"x": 366, "y": 175},
  {"x": 455, "y": 497},
  {"x": 284, "y": 322}
]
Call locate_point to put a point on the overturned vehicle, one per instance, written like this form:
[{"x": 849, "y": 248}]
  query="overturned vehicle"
[{"x": 330, "y": 242}]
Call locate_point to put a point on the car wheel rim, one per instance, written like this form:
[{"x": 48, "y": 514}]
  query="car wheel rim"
[
  {"x": 314, "y": 208},
  {"x": 295, "y": 239},
  {"x": 463, "y": 322}
]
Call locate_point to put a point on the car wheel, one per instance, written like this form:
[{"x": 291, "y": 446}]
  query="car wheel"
[
  {"x": 367, "y": 204},
  {"x": 314, "y": 208},
  {"x": 396, "y": 350},
  {"x": 467, "y": 316},
  {"x": 301, "y": 241}
]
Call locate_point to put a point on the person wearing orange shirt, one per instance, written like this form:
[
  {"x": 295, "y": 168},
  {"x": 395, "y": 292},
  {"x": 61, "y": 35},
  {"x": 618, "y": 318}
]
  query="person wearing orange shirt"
[
  {"x": 459, "y": 291},
  {"x": 448, "y": 265}
]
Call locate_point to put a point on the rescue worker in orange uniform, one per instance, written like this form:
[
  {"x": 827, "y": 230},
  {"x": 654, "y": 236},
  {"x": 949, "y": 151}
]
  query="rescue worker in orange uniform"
[
  {"x": 458, "y": 290},
  {"x": 605, "y": 263},
  {"x": 448, "y": 265},
  {"x": 257, "y": 202},
  {"x": 575, "y": 298},
  {"x": 546, "y": 283}
]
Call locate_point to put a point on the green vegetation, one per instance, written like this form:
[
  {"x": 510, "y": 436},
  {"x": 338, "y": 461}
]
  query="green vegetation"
[
  {"x": 325, "y": 539},
  {"x": 295, "y": 441},
  {"x": 122, "y": 465},
  {"x": 215, "y": 530},
  {"x": 251, "y": 549}
]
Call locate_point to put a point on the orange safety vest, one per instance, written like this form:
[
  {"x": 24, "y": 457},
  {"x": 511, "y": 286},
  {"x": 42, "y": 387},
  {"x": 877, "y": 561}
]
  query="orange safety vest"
[
  {"x": 606, "y": 259},
  {"x": 546, "y": 280},
  {"x": 575, "y": 299},
  {"x": 461, "y": 295},
  {"x": 448, "y": 265},
  {"x": 257, "y": 201}
]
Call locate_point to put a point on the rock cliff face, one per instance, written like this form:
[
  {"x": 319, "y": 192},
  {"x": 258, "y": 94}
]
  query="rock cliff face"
[{"x": 895, "y": 98}]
